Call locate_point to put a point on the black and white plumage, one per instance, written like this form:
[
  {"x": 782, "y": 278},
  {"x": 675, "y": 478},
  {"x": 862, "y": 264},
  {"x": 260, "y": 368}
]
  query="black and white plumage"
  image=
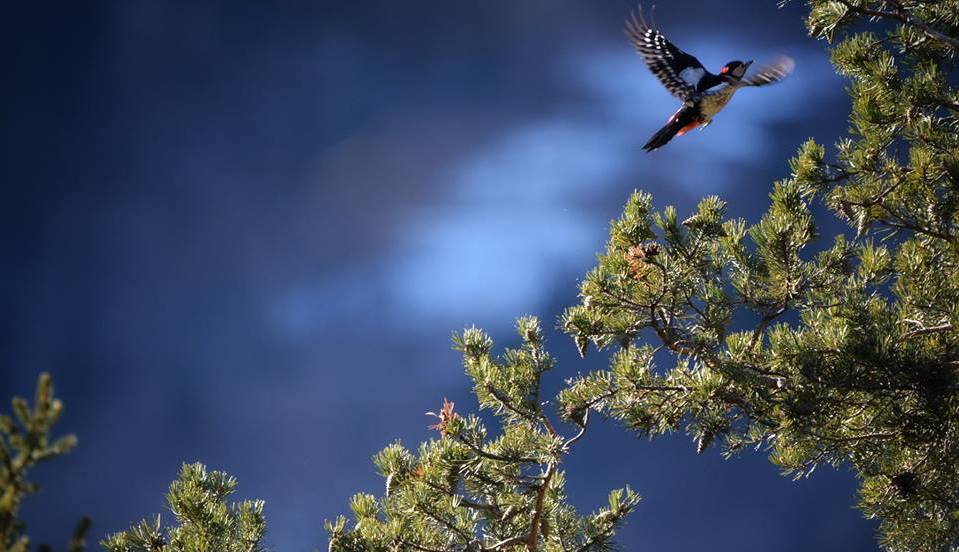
[
  {"x": 703, "y": 94},
  {"x": 772, "y": 74}
]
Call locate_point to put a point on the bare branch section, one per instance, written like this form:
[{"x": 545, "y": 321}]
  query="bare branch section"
[
  {"x": 538, "y": 509},
  {"x": 927, "y": 330}
]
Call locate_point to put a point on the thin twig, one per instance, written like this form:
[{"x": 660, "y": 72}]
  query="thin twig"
[
  {"x": 763, "y": 324},
  {"x": 538, "y": 512},
  {"x": 512, "y": 541},
  {"x": 494, "y": 456},
  {"x": 582, "y": 431},
  {"x": 931, "y": 329},
  {"x": 417, "y": 546}
]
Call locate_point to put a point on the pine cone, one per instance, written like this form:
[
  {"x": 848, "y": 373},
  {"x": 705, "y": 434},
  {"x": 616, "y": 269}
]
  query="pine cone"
[{"x": 638, "y": 256}]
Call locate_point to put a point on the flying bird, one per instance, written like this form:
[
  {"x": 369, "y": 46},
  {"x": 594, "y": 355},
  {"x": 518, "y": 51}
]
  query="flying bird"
[{"x": 703, "y": 93}]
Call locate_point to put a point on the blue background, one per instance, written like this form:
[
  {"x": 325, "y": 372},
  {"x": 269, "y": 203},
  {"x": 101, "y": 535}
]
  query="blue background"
[{"x": 242, "y": 232}]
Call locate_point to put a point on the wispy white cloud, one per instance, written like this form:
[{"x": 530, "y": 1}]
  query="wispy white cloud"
[
  {"x": 512, "y": 220},
  {"x": 488, "y": 249},
  {"x": 513, "y": 214}
]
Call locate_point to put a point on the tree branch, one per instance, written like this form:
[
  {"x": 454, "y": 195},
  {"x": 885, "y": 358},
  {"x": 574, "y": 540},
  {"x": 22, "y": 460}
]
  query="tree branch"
[
  {"x": 903, "y": 16},
  {"x": 931, "y": 329},
  {"x": 512, "y": 541},
  {"x": 538, "y": 512},
  {"x": 763, "y": 324},
  {"x": 582, "y": 431},
  {"x": 494, "y": 456}
]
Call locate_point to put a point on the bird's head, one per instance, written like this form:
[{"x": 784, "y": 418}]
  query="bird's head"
[{"x": 734, "y": 70}]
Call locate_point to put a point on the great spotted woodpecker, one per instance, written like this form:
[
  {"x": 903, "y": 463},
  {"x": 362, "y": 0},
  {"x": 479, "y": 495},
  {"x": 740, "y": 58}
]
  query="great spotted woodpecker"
[{"x": 703, "y": 93}]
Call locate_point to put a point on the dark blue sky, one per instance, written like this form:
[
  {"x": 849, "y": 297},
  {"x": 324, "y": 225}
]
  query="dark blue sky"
[{"x": 242, "y": 232}]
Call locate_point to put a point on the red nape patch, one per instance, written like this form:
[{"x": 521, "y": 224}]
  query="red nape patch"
[
  {"x": 689, "y": 127},
  {"x": 724, "y": 70}
]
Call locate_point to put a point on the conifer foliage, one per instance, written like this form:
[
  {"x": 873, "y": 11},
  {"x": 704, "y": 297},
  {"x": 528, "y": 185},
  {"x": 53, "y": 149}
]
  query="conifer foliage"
[
  {"x": 205, "y": 521},
  {"x": 25, "y": 441},
  {"x": 864, "y": 371},
  {"x": 470, "y": 491}
]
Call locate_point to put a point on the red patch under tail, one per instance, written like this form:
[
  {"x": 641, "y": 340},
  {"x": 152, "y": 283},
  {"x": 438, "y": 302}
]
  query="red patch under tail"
[{"x": 694, "y": 124}]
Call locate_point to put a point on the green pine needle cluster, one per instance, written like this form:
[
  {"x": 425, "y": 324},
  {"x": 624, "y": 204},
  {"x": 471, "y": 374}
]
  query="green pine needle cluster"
[
  {"x": 205, "y": 521},
  {"x": 471, "y": 491},
  {"x": 25, "y": 441}
]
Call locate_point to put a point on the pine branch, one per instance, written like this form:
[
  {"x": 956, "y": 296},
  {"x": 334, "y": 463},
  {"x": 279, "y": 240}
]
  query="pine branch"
[
  {"x": 924, "y": 330},
  {"x": 903, "y": 16},
  {"x": 582, "y": 431},
  {"x": 761, "y": 327},
  {"x": 538, "y": 509},
  {"x": 494, "y": 456}
]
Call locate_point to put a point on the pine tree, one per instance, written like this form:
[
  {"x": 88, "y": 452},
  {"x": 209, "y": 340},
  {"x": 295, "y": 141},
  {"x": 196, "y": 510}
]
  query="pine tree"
[
  {"x": 471, "y": 491},
  {"x": 25, "y": 441},
  {"x": 205, "y": 522},
  {"x": 853, "y": 358}
]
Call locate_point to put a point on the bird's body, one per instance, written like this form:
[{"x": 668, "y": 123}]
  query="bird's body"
[
  {"x": 703, "y": 93},
  {"x": 713, "y": 102}
]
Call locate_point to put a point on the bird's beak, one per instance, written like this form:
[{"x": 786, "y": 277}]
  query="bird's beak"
[{"x": 748, "y": 63}]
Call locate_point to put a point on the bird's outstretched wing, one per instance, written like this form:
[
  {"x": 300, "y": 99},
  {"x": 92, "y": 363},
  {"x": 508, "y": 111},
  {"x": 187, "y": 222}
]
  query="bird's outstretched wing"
[
  {"x": 678, "y": 71},
  {"x": 771, "y": 74}
]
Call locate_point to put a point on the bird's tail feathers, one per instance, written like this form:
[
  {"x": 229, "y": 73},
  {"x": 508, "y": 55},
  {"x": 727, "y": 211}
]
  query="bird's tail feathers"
[{"x": 677, "y": 123}]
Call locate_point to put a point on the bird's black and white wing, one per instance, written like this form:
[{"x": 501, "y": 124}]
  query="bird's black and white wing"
[
  {"x": 678, "y": 71},
  {"x": 771, "y": 74}
]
